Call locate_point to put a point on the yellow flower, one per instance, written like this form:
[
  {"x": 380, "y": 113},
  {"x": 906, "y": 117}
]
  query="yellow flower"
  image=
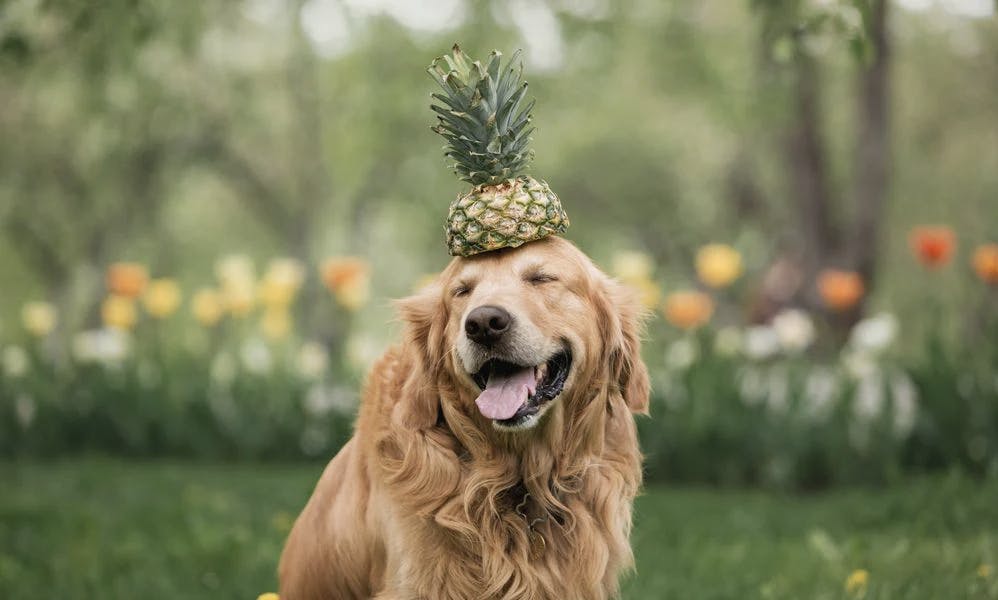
[
  {"x": 984, "y": 571},
  {"x": 238, "y": 298},
  {"x": 281, "y": 282},
  {"x": 118, "y": 312},
  {"x": 126, "y": 279},
  {"x": 162, "y": 298},
  {"x": 39, "y": 318},
  {"x": 207, "y": 307},
  {"x": 234, "y": 269},
  {"x": 276, "y": 323},
  {"x": 268, "y": 596},
  {"x": 718, "y": 265},
  {"x": 354, "y": 295},
  {"x": 688, "y": 309},
  {"x": 349, "y": 280},
  {"x": 235, "y": 273},
  {"x": 632, "y": 266},
  {"x": 857, "y": 580},
  {"x": 649, "y": 294}
]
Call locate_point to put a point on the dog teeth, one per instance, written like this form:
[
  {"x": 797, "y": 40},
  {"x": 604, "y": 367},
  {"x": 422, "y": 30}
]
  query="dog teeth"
[{"x": 540, "y": 371}]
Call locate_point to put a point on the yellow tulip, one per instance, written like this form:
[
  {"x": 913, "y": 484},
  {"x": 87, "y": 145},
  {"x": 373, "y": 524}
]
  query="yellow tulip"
[
  {"x": 162, "y": 298},
  {"x": 688, "y": 309},
  {"x": 281, "y": 282},
  {"x": 718, "y": 265},
  {"x": 207, "y": 307},
  {"x": 118, "y": 312},
  {"x": 39, "y": 318},
  {"x": 857, "y": 580},
  {"x": 276, "y": 323},
  {"x": 649, "y": 293},
  {"x": 235, "y": 269},
  {"x": 268, "y": 596},
  {"x": 238, "y": 299},
  {"x": 632, "y": 266}
]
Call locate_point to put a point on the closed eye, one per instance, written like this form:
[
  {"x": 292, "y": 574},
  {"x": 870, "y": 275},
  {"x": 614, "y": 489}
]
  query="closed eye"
[
  {"x": 461, "y": 290},
  {"x": 539, "y": 278}
]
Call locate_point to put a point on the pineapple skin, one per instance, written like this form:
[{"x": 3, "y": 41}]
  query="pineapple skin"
[{"x": 503, "y": 215}]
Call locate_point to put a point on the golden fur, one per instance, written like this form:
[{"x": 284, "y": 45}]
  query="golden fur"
[{"x": 421, "y": 503}]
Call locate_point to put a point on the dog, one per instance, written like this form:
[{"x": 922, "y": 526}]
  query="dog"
[{"x": 495, "y": 453}]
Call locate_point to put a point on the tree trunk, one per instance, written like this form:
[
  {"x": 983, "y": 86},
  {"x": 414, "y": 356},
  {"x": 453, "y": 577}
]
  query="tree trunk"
[
  {"x": 873, "y": 152},
  {"x": 808, "y": 164}
]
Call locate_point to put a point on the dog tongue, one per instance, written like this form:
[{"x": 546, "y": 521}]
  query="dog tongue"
[{"x": 505, "y": 394}]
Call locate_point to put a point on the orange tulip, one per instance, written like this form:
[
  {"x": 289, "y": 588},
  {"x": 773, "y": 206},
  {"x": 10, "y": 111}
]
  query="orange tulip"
[
  {"x": 933, "y": 245},
  {"x": 348, "y": 279},
  {"x": 840, "y": 290},
  {"x": 126, "y": 279},
  {"x": 985, "y": 263},
  {"x": 688, "y": 309},
  {"x": 338, "y": 272}
]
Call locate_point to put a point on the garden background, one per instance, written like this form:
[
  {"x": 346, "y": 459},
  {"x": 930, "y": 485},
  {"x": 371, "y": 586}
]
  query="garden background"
[{"x": 206, "y": 209}]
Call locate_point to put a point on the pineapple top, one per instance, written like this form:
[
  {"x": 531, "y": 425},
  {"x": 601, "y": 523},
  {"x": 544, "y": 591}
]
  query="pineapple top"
[{"x": 479, "y": 115}]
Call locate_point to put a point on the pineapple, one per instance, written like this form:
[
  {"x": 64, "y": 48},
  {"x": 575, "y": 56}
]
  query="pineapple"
[{"x": 487, "y": 136}]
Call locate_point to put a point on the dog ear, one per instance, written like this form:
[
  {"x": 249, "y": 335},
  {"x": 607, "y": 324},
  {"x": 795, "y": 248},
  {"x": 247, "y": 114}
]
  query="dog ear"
[
  {"x": 627, "y": 369},
  {"x": 424, "y": 316}
]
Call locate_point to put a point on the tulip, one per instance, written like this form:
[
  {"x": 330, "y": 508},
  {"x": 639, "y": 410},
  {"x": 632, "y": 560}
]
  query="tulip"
[
  {"x": 349, "y": 280},
  {"x": 39, "y": 318},
  {"x": 118, "y": 312},
  {"x": 840, "y": 290},
  {"x": 313, "y": 360},
  {"x": 985, "y": 263},
  {"x": 281, "y": 283},
  {"x": 235, "y": 268},
  {"x": 632, "y": 266},
  {"x": 162, "y": 298},
  {"x": 207, "y": 307},
  {"x": 718, "y": 265},
  {"x": 688, "y": 309},
  {"x": 276, "y": 323},
  {"x": 649, "y": 294},
  {"x": 933, "y": 245},
  {"x": 354, "y": 296},
  {"x": 126, "y": 279}
]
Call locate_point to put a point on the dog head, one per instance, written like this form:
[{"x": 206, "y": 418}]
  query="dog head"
[{"x": 518, "y": 332}]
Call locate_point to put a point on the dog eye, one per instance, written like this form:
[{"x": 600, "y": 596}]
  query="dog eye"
[
  {"x": 539, "y": 278},
  {"x": 461, "y": 290}
]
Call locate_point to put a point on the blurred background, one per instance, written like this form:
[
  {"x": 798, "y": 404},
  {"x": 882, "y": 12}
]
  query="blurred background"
[{"x": 206, "y": 208}]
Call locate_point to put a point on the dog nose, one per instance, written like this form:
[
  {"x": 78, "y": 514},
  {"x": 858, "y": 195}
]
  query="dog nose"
[{"x": 487, "y": 324}]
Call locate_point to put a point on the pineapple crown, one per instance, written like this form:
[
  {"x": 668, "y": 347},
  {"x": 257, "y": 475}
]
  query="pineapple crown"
[{"x": 479, "y": 115}]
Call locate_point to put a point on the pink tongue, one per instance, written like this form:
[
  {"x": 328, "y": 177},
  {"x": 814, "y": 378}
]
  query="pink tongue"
[{"x": 505, "y": 394}]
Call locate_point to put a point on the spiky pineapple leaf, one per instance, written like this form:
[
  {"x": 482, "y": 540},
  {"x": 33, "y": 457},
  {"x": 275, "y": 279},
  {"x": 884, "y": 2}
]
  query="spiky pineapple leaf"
[{"x": 480, "y": 115}]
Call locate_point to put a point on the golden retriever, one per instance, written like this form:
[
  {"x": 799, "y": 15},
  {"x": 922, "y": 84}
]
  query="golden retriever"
[{"x": 495, "y": 454}]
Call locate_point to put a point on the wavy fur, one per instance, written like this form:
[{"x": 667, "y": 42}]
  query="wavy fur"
[{"x": 420, "y": 504}]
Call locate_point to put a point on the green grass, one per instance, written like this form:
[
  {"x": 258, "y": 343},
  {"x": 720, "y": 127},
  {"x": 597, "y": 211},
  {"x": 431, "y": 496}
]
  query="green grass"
[{"x": 149, "y": 531}]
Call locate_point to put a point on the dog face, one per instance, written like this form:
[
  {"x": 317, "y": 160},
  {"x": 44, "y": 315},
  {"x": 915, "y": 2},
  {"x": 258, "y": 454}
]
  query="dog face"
[{"x": 522, "y": 329}]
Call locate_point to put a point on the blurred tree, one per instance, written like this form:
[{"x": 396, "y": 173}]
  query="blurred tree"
[{"x": 795, "y": 35}]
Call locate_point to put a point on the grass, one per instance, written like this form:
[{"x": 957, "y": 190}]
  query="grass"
[{"x": 108, "y": 530}]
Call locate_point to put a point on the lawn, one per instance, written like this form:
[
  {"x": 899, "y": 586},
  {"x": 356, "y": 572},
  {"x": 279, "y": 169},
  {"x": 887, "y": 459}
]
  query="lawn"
[{"x": 163, "y": 530}]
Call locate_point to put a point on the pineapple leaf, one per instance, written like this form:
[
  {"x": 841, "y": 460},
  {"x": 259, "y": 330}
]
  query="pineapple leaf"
[{"x": 480, "y": 115}]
